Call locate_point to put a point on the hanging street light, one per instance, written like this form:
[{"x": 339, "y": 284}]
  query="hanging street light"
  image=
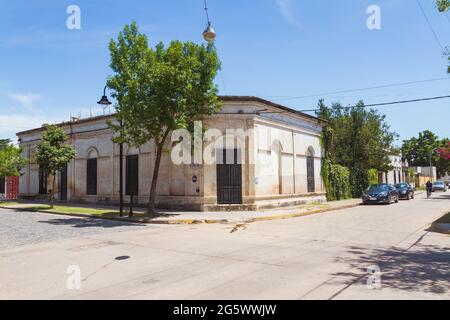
[
  {"x": 209, "y": 34},
  {"x": 104, "y": 101}
]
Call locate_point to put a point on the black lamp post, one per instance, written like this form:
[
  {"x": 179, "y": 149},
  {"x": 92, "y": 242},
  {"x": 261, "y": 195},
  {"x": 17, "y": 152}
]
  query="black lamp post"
[{"x": 105, "y": 102}]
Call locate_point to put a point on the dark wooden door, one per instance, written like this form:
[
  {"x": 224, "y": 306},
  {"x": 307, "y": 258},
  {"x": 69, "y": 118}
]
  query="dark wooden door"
[
  {"x": 2, "y": 185},
  {"x": 310, "y": 174},
  {"x": 132, "y": 176},
  {"x": 63, "y": 184},
  {"x": 91, "y": 177},
  {"x": 42, "y": 181},
  {"x": 229, "y": 177}
]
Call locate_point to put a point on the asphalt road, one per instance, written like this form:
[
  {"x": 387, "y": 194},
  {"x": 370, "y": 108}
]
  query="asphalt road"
[{"x": 323, "y": 256}]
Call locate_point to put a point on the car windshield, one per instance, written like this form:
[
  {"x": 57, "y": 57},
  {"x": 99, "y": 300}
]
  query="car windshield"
[
  {"x": 378, "y": 188},
  {"x": 439, "y": 183},
  {"x": 401, "y": 186}
]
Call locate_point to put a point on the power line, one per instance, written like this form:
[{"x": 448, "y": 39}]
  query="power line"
[
  {"x": 431, "y": 26},
  {"x": 389, "y": 103},
  {"x": 362, "y": 89}
]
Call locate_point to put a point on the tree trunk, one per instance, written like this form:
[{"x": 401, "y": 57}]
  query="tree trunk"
[
  {"x": 159, "y": 151},
  {"x": 52, "y": 192},
  {"x": 151, "y": 200}
]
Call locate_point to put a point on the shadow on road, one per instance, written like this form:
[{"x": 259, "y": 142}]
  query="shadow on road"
[
  {"x": 423, "y": 269},
  {"x": 91, "y": 223}
]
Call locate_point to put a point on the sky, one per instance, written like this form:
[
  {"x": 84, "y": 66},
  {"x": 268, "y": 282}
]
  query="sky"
[{"x": 293, "y": 52}]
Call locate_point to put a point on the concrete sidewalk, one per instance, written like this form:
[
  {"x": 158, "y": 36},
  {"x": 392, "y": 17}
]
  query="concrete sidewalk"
[{"x": 177, "y": 217}]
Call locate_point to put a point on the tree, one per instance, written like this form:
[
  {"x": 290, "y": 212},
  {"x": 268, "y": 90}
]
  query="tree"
[
  {"x": 444, "y": 6},
  {"x": 11, "y": 161},
  {"x": 52, "y": 154},
  {"x": 361, "y": 140},
  {"x": 419, "y": 151},
  {"x": 4, "y": 143},
  {"x": 159, "y": 90}
]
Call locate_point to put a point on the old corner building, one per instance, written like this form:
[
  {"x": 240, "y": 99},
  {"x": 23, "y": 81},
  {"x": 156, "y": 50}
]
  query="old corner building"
[{"x": 293, "y": 176}]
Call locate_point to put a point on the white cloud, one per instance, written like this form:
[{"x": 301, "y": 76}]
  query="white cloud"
[
  {"x": 285, "y": 7},
  {"x": 26, "y": 100},
  {"x": 10, "y": 124}
]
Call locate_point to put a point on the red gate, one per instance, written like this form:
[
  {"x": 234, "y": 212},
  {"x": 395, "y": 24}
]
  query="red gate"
[{"x": 12, "y": 188}]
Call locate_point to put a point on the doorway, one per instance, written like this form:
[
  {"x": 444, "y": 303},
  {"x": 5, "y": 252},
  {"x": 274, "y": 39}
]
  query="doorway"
[
  {"x": 63, "y": 184},
  {"x": 229, "y": 176}
]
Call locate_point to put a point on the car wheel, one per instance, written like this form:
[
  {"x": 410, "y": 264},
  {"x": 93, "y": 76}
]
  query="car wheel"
[
  {"x": 408, "y": 197},
  {"x": 389, "y": 201}
]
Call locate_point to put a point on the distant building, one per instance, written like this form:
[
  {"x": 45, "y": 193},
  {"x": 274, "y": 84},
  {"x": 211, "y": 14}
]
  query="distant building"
[
  {"x": 397, "y": 174},
  {"x": 9, "y": 188},
  {"x": 424, "y": 174}
]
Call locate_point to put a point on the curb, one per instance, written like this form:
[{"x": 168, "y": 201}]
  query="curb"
[
  {"x": 302, "y": 214},
  {"x": 193, "y": 221}
]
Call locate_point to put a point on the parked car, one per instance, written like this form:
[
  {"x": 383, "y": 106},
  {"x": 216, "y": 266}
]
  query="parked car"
[
  {"x": 439, "y": 186},
  {"x": 380, "y": 193},
  {"x": 405, "y": 191}
]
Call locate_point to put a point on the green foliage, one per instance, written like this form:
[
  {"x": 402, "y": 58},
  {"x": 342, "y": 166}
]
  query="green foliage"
[
  {"x": 443, "y": 5},
  {"x": 418, "y": 151},
  {"x": 11, "y": 161},
  {"x": 337, "y": 181},
  {"x": 4, "y": 143},
  {"x": 52, "y": 154},
  {"x": 160, "y": 89},
  {"x": 372, "y": 174},
  {"x": 358, "y": 139}
]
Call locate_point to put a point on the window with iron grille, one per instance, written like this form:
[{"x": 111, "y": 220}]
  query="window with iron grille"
[
  {"x": 42, "y": 180},
  {"x": 2, "y": 185},
  {"x": 91, "y": 178},
  {"x": 132, "y": 175}
]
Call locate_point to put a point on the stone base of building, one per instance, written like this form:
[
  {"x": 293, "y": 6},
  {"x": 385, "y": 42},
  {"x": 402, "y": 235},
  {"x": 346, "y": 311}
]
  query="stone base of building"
[{"x": 199, "y": 203}]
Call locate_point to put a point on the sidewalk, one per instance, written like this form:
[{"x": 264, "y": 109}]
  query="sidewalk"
[{"x": 177, "y": 217}]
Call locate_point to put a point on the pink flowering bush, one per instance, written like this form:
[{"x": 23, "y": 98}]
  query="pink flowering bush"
[{"x": 444, "y": 153}]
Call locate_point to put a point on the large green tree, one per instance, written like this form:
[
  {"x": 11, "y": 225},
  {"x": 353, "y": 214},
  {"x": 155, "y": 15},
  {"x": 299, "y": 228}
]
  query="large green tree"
[
  {"x": 421, "y": 150},
  {"x": 11, "y": 161},
  {"x": 361, "y": 140},
  {"x": 53, "y": 154},
  {"x": 160, "y": 89}
]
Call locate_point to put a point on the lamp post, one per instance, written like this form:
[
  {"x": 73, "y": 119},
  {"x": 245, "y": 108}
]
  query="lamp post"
[{"x": 105, "y": 102}]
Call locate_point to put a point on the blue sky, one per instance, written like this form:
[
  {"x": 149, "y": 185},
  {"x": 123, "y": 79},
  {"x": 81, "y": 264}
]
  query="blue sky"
[{"x": 275, "y": 49}]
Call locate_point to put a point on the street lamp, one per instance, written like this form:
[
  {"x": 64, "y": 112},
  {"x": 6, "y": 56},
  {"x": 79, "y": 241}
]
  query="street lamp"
[
  {"x": 209, "y": 34},
  {"x": 105, "y": 102}
]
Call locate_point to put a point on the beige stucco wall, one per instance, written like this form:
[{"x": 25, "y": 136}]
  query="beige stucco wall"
[{"x": 262, "y": 161}]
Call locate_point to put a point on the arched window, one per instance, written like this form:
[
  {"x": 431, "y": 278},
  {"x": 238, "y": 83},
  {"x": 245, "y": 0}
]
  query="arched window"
[
  {"x": 310, "y": 170},
  {"x": 91, "y": 173}
]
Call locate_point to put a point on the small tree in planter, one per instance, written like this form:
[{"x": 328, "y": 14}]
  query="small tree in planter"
[{"x": 53, "y": 154}]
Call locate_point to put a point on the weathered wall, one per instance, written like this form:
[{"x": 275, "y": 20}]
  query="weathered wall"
[{"x": 271, "y": 169}]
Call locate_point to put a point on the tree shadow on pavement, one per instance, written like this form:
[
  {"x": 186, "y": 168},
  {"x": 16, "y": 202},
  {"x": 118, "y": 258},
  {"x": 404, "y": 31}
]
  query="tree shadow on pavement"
[
  {"x": 91, "y": 223},
  {"x": 421, "y": 269}
]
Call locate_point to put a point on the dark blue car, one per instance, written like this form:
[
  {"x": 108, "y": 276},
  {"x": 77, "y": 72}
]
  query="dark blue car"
[
  {"x": 405, "y": 191},
  {"x": 380, "y": 194}
]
